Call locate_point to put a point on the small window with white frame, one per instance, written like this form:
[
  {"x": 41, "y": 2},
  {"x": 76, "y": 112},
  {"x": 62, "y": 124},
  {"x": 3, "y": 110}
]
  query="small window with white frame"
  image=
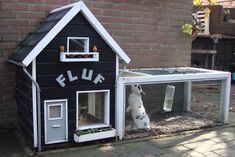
[
  {"x": 55, "y": 111},
  {"x": 93, "y": 109},
  {"x": 78, "y": 51},
  {"x": 78, "y": 44}
]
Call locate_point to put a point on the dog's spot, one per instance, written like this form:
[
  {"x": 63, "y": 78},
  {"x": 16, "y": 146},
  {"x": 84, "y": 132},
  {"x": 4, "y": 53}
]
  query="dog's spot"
[
  {"x": 145, "y": 124},
  {"x": 137, "y": 117},
  {"x": 139, "y": 106}
]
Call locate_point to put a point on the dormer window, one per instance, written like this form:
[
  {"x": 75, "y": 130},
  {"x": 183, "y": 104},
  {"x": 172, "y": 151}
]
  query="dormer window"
[
  {"x": 78, "y": 51},
  {"x": 77, "y": 44}
]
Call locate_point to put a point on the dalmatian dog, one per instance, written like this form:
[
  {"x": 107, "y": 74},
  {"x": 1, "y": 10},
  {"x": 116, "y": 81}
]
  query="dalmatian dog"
[{"x": 136, "y": 107}]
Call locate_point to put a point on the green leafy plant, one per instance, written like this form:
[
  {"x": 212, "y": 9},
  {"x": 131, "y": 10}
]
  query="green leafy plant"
[
  {"x": 192, "y": 29},
  {"x": 197, "y": 2},
  {"x": 187, "y": 28},
  {"x": 92, "y": 130}
]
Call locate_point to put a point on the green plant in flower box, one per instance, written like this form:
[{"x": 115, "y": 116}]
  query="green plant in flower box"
[{"x": 92, "y": 130}]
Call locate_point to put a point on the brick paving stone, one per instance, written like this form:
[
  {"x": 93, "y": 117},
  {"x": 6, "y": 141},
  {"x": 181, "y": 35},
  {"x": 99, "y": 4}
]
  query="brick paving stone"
[
  {"x": 231, "y": 144},
  {"x": 209, "y": 142},
  {"x": 145, "y": 148},
  {"x": 176, "y": 154},
  {"x": 182, "y": 149},
  {"x": 193, "y": 153},
  {"x": 211, "y": 154},
  {"x": 225, "y": 152},
  {"x": 172, "y": 141},
  {"x": 205, "y": 147}
]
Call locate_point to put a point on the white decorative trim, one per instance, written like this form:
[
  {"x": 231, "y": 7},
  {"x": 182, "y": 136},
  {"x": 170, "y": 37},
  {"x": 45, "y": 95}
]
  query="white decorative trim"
[
  {"x": 106, "y": 110},
  {"x": 77, "y": 7},
  {"x": 34, "y": 105},
  {"x": 117, "y": 66},
  {"x": 45, "y": 119},
  {"x": 66, "y": 7}
]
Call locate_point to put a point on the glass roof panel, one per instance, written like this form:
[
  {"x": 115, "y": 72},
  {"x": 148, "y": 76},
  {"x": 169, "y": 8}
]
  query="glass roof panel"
[{"x": 168, "y": 71}]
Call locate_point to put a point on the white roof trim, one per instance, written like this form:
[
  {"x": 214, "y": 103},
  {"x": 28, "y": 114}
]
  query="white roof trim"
[
  {"x": 65, "y": 7},
  {"x": 104, "y": 34},
  {"x": 76, "y": 8}
]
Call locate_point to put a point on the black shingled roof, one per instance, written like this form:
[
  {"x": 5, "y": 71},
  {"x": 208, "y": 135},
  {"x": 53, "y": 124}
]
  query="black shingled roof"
[{"x": 37, "y": 35}]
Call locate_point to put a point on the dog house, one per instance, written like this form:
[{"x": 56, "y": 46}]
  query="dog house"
[{"x": 68, "y": 85}]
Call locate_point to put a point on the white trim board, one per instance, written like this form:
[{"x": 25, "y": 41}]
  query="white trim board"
[
  {"x": 75, "y": 9},
  {"x": 34, "y": 104}
]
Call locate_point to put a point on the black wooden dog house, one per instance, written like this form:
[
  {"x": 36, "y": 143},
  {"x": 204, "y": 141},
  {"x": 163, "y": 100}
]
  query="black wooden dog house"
[{"x": 74, "y": 62}]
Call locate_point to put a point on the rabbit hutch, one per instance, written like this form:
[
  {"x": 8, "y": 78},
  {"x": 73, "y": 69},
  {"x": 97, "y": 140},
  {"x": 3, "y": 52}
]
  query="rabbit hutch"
[
  {"x": 171, "y": 101},
  {"x": 69, "y": 88}
]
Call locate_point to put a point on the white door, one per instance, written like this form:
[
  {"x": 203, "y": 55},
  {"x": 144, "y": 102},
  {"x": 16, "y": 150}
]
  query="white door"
[{"x": 55, "y": 118}]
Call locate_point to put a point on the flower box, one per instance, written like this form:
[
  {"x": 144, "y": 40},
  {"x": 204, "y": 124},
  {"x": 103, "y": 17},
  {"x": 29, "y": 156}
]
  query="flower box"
[
  {"x": 79, "y": 56},
  {"x": 94, "y": 136}
]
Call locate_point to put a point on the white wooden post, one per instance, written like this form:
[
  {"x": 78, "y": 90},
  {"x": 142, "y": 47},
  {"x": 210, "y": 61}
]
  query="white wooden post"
[
  {"x": 224, "y": 99},
  {"x": 120, "y": 110},
  {"x": 187, "y": 96}
]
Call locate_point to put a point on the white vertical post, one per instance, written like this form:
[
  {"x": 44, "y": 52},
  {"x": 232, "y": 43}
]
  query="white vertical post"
[
  {"x": 119, "y": 112},
  {"x": 224, "y": 99},
  {"x": 34, "y": 103},
  {"x": 187, "y": 96},
  {"x": 207, "y": 24}
]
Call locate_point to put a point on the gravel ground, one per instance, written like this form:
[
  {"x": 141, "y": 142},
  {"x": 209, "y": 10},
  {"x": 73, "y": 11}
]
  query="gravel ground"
[
  {"x": 171, "y": 122},
  {"x": 205, "y": 113}
]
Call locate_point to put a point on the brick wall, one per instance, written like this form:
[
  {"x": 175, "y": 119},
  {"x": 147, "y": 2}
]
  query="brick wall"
[{"x": 147, "y": 30}]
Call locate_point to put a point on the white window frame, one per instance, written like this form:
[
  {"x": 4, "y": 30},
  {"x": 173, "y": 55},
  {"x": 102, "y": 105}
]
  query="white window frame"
[
  {"x": 84, "y": 56},
  {"x": 86, "y": 44},
  {"x": 49, "y": 113},
  {"x": 106, "y": 109}
]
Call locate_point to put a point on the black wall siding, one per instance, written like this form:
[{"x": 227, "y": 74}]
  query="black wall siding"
[
  {"x": 62, "y": 68},
  {"x": 23, "y": 94},
  {"x": 49, "y": 68},
  {"x": 50, "y": 81}
]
